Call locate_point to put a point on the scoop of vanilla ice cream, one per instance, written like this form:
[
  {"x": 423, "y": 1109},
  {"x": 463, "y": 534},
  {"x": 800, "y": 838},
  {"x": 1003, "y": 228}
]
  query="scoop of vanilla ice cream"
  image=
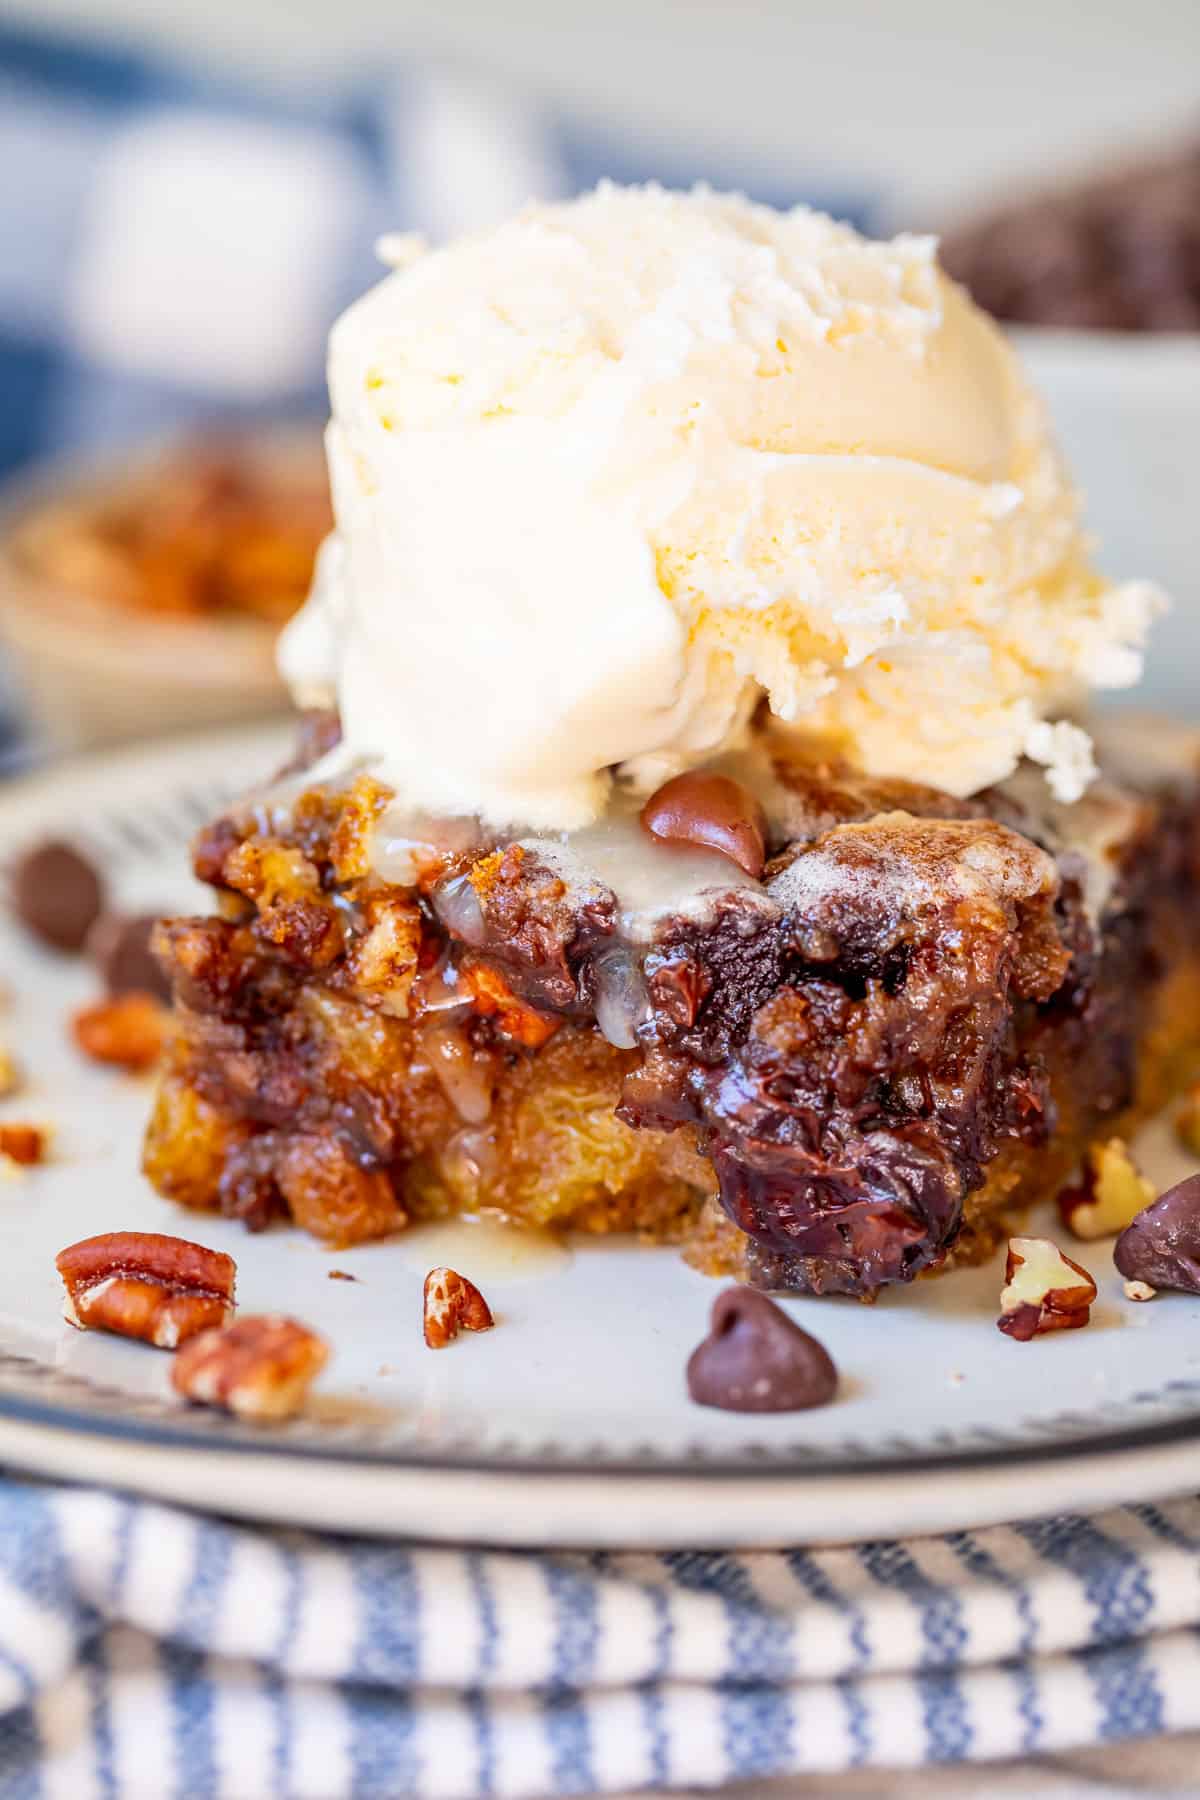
[{"x": 606, "y": 475}]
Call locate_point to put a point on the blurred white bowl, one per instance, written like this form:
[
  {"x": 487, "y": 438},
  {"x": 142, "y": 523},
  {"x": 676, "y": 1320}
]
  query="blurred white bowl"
[
  {"x": 1127, "y": 409},
  {"x": 88, "y": 668}
]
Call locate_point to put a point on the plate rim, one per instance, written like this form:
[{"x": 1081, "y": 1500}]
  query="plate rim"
[
  {"x": 214, "y": 1432},
  {"x": 540, "y": 1511}
]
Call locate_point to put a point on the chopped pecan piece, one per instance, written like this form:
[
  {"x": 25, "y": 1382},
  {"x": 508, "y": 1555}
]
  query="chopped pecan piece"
[
  {"x": 259, "y": 1368},
  {"x": 24, "y": 1144},
  {"x": 350, "y": 847},
  {"x": 269, "y": 872},
  {"x": 1043, "y": 1290},
  {"x": 1111, "y": 1195},
  {"x": 382, "y": 964},
  {"x": 453, "y": 1304},
  {"x": 141, "y": 1284},
  {"x": 491, "y": 995},
  {"x": 128, "y": 1031},
  {"x": 293, "y": 914}
]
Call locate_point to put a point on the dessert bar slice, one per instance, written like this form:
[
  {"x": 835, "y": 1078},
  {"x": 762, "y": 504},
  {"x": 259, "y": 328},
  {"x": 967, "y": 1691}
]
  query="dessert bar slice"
[{"x": 830, "y": 1073}]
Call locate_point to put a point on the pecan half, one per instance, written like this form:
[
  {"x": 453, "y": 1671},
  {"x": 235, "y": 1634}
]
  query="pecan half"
[
  {"x": 453, "y": 1304},
  {"x": 141, "y": 1284},
  {"x": 259, "y": 1368},
  {"x": 127, "y": 1031}
]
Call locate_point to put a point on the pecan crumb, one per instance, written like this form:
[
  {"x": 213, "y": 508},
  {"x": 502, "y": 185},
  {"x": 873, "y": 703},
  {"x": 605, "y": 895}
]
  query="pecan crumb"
[
  {"x": 24, "y": 1144},
  {"x": 127, "y": 1031},
  {"x": 341, "y": 1275},
  {"x": 11, "y": 1076},
  {"x": 453, "y": 1304},
  {"x": 260, "y": 1368}
]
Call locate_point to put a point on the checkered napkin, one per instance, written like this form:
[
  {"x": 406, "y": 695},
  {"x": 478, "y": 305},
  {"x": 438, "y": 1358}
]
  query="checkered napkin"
[
  {"x": 144, "y": 1652},
  {"x": 174, "y": 249}
]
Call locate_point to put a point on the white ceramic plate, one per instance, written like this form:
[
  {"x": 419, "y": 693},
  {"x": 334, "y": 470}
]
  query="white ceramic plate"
[{"x": 569, "y": 1423}]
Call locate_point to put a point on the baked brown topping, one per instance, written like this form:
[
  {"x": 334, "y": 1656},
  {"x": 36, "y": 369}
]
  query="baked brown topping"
[
  {"x": 141, "y": 1284},
  {"x": 1162, "y": 1246},
  {"x": 452, "y": 1304},
  {"x": 1043, "y": 1290},
  {"x": 260, "y": 1368},
  {"x": 710, "y": 812},
  {"x": 756, "y": 1359},
  {"x": 851, "y": 1049},
  {"x": 342, "y": 1199},
  {"x": 58, "y": 894}
]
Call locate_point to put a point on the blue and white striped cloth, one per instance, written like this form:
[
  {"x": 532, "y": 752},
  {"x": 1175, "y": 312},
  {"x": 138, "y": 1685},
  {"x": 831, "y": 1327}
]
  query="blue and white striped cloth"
[
  {"x": 173, "y": 248},
  {"x": 145, "y": 1652}
]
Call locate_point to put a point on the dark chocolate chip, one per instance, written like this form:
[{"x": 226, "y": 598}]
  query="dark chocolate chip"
[
  {"x": 711, "y": 812},
  {"x": 755, "y": 1359},
  {"x": 57, "y": 894},
  {"x": 1162, "y": 1246},
  {"x": 119, "y": 945}
]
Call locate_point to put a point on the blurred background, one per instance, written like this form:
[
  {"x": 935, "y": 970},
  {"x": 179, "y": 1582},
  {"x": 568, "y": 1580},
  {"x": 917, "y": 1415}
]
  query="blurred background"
[{"x": 191, "y": 194}]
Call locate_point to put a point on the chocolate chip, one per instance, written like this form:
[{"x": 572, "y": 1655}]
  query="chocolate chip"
[
  {"x": 119, "y": 945},
  {"x": 755, "y": 1359},
  {"x": 1162, "y": 1246},
  {"x": 57, "y": 894},
  {"x": 712, "y": 812}
]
